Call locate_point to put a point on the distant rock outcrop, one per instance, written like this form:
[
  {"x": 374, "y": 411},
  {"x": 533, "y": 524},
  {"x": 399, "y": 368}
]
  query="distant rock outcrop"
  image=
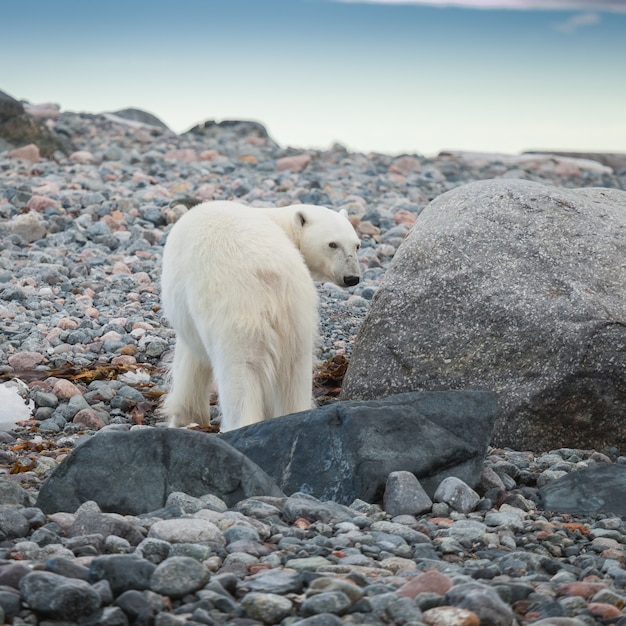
[
  {"x": 240, "y": 128},
  {"x": 515, "y": 287},
  {"x": 143, "y": 117},
  {"x": 18, "y": 128}
]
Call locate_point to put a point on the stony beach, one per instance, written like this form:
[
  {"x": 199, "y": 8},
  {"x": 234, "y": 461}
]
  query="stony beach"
[{"x": 83, "y": 341}]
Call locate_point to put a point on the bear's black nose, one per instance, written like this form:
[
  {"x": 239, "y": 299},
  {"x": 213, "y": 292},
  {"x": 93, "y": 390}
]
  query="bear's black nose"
[{"x": 350, "y": 281}]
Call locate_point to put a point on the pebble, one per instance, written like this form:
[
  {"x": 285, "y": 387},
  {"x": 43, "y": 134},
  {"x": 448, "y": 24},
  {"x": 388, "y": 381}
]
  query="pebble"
[{"x": 80, "y": 313}]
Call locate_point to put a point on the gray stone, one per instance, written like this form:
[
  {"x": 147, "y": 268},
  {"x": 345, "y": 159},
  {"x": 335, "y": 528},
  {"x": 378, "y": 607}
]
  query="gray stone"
[
  {"x": 122, "y": 571},
  {"x": 153, "y": 549},
  {"x": 12, "y": 523},
  {"x": 346, "y": 450},
  {"x": 596, "y": 489},
  {"x": 405, "y": 496},
  {"x": 57, "y": 596},
  {"x": 178, "y": 576},
  {"x": 12, "y": 493},
  {"x": 310, "y": 508},
  {"x": 149, "y": 465},
  {"x": 335, "y": 602},
  {"x": 482, "y": 600},
  {"x": 104, "y": 524},
  {"x": 270, "y": 608},
  {"x": 457, "y": 494},
  {"x": 516, "y": 287},
  {"x": 274, "y": 581}
]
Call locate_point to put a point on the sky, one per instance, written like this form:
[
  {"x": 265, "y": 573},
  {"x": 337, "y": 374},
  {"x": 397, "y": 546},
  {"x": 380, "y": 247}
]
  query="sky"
[{"x": 400, "y": 77}]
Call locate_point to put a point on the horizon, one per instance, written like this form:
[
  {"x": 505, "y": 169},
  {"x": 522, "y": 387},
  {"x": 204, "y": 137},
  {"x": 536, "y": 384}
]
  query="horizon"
[{"x": 391, "y": 76}]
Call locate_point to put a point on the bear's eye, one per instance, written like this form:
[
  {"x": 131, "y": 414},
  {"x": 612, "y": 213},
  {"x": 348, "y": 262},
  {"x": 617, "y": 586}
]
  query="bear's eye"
[
  {"x": 332, "y": 244},
  {"x": 358, "y": 246}
]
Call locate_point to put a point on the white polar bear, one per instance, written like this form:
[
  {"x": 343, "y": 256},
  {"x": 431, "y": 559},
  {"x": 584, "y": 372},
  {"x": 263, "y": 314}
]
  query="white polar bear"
[{"x": 237, "y": 287}]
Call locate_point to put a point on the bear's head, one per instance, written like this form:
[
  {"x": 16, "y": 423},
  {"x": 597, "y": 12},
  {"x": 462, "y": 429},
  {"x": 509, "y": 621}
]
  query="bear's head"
[{"x": 328, "y": 244}]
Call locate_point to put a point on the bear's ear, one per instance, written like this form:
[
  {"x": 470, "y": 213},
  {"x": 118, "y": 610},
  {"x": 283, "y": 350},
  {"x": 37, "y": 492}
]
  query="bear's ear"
[
  {"x": 300, "y": 219},
  {"x": 343, "y": 213}
]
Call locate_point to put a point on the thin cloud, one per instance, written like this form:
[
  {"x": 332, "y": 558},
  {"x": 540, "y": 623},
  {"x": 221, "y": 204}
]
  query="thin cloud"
[
  {"x": 575, "y": 22},
  {"x": 613, "y": 6}
]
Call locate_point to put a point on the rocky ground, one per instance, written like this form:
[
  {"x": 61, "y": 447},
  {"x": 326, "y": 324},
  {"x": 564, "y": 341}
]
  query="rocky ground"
[{"x": 83, "y": 341}]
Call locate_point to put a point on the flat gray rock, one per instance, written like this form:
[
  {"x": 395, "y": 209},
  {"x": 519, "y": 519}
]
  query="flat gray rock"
[
  {"x": 346, "y": 450},
  {"x": 134, "y": 472},
  {"x": 515, "y": 287},
  {"x": 600, "y": 488}
]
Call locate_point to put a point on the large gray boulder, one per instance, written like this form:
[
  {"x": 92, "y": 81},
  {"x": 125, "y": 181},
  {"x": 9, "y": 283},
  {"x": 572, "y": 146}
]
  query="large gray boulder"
[
  {"x": 589, "y": 491},
  {"x": 134, "y": 472},
  {"x": 515, "y": 287},
  {"x": 346, "y": 450}
]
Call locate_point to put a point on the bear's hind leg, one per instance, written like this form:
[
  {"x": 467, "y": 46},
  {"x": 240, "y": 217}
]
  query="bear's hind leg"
[
  {"x": 296, "y": 384},
  {"x": 189, "y": 398}
]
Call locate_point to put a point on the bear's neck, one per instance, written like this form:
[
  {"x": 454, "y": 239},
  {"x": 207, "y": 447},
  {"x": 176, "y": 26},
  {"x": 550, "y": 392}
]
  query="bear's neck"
[{"x": 284, "y": 217}]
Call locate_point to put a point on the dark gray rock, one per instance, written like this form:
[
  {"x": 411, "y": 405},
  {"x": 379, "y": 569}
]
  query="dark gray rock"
[
  {"x": 346, "y": 450},
  {"x": 58, "y": 597},
  {"x": 600, "y": 488},
  {"x": 516, "y": 287},
  {"x": 302, "y": 505},
  {"x": 273, "y": 581},
  {"x": 482, "y": 600},
  {"x": 122, "y": 571},
  {"x": 134, "y": 472}
]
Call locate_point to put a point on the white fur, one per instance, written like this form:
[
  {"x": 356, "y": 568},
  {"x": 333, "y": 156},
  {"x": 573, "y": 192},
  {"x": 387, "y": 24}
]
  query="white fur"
[{"x": 237, "y": 287}]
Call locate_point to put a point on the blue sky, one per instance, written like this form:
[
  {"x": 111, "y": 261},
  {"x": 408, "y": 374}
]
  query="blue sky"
[{"x": 411, "y": 76}]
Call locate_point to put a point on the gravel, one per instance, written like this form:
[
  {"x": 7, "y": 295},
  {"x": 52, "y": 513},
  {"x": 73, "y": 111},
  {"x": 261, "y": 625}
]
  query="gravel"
[{"x": 83, "y": 345}]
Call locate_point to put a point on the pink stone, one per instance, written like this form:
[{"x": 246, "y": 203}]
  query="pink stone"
[
  {"x": 123, "y": 359},
  {"x": 404, "y": 165},
  {"x": 431, "y": 581},
  {"x": 564, "y": 168},
  {"x": 92, "y": 312},
  {"x": 67, "y": 323},
  {"x": 88, "y": 418},
  {"x": 296, "y": 163},
  {"x": 255, "y": 141},
  {"x": 603, "y": 610},
  {"x": 120, "y": 268},
  {"x": 206, "y": 191},
  {"x": 65, "y": 389},
  {"x": 39, "y": 203},
  {"x": 112, "y": 335},
  {"x": 582, "y": 588},
  {"x": 25, "y": 360},
  {"x": 46, "y": 188},
  {"x": 28, "y": 153},
  {"x": 404, "y": 217},
  {"x": 187, "y": 155},
  {"x": 209, "y": 155},
  {"x": 450, "y": 616},
  {"x": 82, "y": 156}
]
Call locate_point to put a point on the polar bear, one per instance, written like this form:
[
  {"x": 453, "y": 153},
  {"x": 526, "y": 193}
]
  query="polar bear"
[{"x": 237, "y": 287}]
